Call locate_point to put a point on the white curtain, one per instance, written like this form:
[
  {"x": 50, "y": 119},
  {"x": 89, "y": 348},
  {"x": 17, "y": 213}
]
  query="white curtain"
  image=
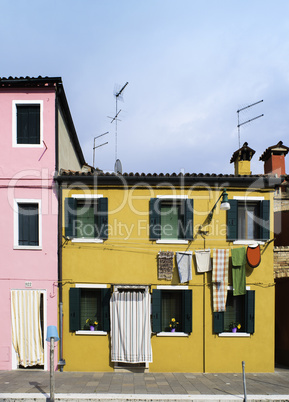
[
  {"x": 26, "y": 327},
  {"x": 130, "y": 327}
]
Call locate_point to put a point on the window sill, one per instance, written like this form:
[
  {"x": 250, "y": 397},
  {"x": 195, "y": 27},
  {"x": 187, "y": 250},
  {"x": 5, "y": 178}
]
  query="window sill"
[
  {"x": 178, "y": 334},
  {"x": 248, "y": 242},
  {"x": 234, "y": 335},
  {"x": 27, "y": 248},
  {"x": 83, "y": 240},
  {"x": 87, "y": 332},
  {"x": 171, "y": 241}
]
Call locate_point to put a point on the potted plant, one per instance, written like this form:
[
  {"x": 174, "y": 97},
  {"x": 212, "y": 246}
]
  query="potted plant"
[
  {"x": 91, "y": 324},
  {"x": 173, "y": 325},
  {"x": 234, "y": 326}
]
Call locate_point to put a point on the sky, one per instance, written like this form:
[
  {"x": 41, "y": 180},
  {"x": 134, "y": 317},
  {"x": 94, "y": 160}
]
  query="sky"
[{"x": 190, "y": 65}]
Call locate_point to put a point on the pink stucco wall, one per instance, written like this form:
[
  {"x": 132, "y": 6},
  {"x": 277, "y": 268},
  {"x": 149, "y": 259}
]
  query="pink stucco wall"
[{"x": 26, "y": 173}]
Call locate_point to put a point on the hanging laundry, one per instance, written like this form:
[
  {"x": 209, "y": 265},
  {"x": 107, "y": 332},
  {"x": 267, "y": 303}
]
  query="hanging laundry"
[
  {"x": 239, "y": 271},
  {"x": 203, "y": 260},
  {"x": 253, "y": 255},
  {"x": 184, "y": 263},
  {"x": 165, "y": 265},
  {"x": 220, "y": 279}
]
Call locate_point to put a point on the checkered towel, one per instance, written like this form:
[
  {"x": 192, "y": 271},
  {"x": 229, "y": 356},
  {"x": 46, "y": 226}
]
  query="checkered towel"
[{"x": 220, "y": 279}]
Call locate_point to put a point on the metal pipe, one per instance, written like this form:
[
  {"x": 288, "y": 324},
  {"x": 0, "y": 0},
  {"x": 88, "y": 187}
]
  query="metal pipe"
[{"x": 244, "y": 381}]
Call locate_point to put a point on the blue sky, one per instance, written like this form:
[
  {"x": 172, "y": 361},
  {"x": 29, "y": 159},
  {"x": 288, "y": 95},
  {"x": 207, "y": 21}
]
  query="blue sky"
[{"x": 190, "y": 66}]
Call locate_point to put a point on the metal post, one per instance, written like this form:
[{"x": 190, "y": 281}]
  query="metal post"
[
  {"x": 52, "y": 381},
  {"x": 244, "y": 381}
]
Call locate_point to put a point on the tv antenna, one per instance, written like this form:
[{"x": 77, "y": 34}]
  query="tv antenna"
[
  {"x": 248, "y": 121},
  {"x": 118, "y": 95},
  {"x": 94, "y": 146}
]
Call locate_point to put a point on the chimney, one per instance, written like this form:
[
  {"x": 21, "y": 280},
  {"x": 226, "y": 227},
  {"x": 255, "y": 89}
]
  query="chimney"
[
  {"x": 274, "y": 159},
  {"x": 242, "y": 160}
]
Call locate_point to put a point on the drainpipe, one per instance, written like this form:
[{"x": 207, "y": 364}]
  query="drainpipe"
[{"x": 61, "y": 362}]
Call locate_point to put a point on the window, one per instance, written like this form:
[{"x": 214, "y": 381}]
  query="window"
[
  {"x": 90, "y": 303},
  {"x": 27, "y": 123},
  {"x": 168, "y": 304},
  {"x": 248, "y": 220},
  {"x": 239, "y": 309},
  {"x": 27, "y": 223},
  {"x": 86, "y": 218},
  {"x": 171, "y": 219}
]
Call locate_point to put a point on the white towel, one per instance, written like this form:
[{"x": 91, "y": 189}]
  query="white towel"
[
  {"x": 203, "y": 259},
  {"x": 184, "y": 262}
]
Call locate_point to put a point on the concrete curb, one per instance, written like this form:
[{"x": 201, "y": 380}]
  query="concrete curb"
[{"x": 29, "y": 397}]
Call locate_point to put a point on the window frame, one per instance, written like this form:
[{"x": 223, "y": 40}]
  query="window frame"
[
  {"x": 155, "y": 218},
  {"x": 69, "y": 218},
  {"x": 16, "y": 103},
  {"x": 74, "y": 308},
  {"x": 232, "y": 220},
  {"x": 187, "y": 310},
  {"x": 16, "y": 244},
  {"x": 218, "y": 318}
]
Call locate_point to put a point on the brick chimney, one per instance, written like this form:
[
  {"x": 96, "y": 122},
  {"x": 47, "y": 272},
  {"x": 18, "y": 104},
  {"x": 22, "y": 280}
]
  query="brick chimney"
[
  {"x": 242, "y": 160},
  {"x": 274, "y": 159}
]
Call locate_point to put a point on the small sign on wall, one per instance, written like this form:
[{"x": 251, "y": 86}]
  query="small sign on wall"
[{"x": 28, "y": 284}]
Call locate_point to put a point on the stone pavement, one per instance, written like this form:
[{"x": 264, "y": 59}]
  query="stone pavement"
[{"x": 34, "y": 385}]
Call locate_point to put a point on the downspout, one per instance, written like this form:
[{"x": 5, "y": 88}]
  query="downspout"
[{"x": 61, "y": 362}]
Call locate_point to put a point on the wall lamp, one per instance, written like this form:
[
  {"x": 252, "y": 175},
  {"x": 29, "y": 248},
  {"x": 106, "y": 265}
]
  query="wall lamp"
[{"x": 225, "y": 206}]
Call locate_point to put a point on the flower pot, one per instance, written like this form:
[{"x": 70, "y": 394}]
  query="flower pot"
[
  {"x": 92, "y": 328},
  {"x": 173, "y": 329},
  {"x": 234, "y": 329}
]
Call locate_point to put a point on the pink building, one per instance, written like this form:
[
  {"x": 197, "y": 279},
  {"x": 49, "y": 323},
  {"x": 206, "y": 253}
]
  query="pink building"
[{"x": 37, "y": 139}]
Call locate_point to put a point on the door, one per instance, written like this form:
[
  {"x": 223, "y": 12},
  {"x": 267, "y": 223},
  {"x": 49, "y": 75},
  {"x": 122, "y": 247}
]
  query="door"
[
  {"x": 27, "y": 321},
  {"x": 131, "y": 326}
]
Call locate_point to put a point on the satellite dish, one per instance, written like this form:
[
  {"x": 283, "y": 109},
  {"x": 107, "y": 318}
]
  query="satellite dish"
[{"x": 118, "y": 167}]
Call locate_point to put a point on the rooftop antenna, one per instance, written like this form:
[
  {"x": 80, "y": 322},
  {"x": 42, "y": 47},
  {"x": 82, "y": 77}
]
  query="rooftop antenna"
[
  {"x": 248, "y": 121},
  {"x": 118, "y": 95},
  {"x": 94, "y": 147}
]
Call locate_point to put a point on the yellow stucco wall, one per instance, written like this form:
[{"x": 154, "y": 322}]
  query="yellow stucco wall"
[{"x": 132, "y": 259}]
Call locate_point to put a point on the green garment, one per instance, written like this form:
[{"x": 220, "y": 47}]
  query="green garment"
[{"x": 239, "y": 271}]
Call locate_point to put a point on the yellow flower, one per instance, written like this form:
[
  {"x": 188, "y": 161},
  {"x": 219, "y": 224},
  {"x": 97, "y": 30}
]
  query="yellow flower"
[
  {"x": 95, "y": 323},
  {"x": 239, "y": 326},
  {"x": 87, "y": 320},
  {"x": 173, "y": 319},
  {"x": 170, "y": 325}
]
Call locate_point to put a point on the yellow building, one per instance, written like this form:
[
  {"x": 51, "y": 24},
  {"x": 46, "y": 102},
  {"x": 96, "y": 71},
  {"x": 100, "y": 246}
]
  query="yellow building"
[{"x": 144, "y": 253}]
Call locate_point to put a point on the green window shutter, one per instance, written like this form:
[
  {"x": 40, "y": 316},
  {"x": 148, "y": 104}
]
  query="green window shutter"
[
  {"x": 157, "y": 311},
  {"x": 232, "y": 221},
  {"x": 105, "y": 304},
  {"x": 74, "y": 309},
  {"x": 102, "y": 218},
  {"x": 218, "y": 322},
  {"x": 250, "y": 311},
  {"x": 265, "y": 216},
  {"x": 187, "y": 309},
  {"x": 155, "y": 218},
  {"x": 189, "y": 220},
  {"x": 70, "y": 205},
  {"x": 28, "y": 224}
]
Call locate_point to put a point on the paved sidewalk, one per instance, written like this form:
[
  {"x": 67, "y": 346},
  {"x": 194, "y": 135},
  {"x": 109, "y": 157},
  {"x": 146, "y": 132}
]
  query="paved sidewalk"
[{"x": 77, "y": 386}]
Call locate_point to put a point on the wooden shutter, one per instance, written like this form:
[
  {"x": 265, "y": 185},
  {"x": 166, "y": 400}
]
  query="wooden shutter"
[
  {"x": 28, "y": 224},
  {"x": 105, "y": 305},
  {"x": 265, "y": 216},
  {"x": 218, "y": 322},
  {"x": 102, "y": 218},
  {"x": 232, "y": 221},
  {"x": 250, "y": 311},
  {"x": 187, "y": 309},
  {"x": 70, "y": 205},
  {"x": 155, "y": 218},
  {"x": 28, "y": 124},
  {"x": 189, "y": 219},
  {"x": 74, "y": 309},
  {"x": 157, "y": 311}
]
